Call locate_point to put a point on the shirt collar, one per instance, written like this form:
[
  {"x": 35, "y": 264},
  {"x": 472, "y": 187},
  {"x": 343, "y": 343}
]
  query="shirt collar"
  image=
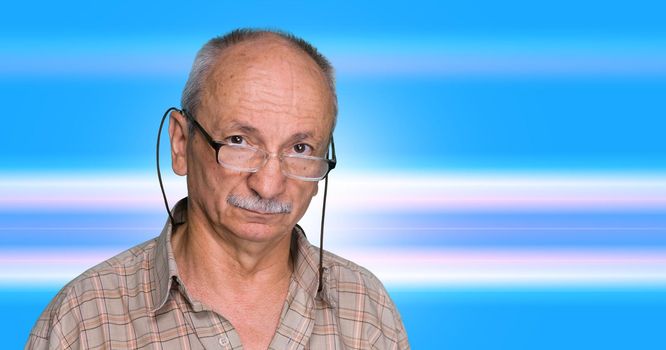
[
  {"x": 164, "y": 269},
  {"x": 306, "y": 262},
  {"x": 306, "y": 269}
]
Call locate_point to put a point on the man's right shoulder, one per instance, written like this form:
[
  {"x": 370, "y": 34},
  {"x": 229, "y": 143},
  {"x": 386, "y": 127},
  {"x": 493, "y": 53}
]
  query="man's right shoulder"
[
  {"x": 114, "y": 271},
  {"x": 88, "y": 295}
]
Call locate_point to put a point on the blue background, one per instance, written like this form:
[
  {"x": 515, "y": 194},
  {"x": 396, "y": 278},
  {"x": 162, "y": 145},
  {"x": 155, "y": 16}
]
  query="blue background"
[{"x": 564, "y": 87}]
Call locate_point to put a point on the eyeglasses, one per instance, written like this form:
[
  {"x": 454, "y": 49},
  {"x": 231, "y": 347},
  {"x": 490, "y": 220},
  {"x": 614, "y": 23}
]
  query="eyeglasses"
[{"x": 250, "y": 159}]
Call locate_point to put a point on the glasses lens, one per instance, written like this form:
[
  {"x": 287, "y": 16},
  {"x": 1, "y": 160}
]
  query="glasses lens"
[
  {"x": 239, "y": 157},
  {"x": 304, "y": 167}
]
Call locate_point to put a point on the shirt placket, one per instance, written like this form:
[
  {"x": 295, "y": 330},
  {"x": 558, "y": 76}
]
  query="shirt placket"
[
  {"x": 296, "y": 325},
  {"x": 213, "y": 331}
]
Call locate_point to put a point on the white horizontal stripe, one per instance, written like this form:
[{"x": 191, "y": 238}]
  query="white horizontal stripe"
[
  {"x": 409, "y": 192},
  {"x": 402, "y": 267},
  {"x": 353, "y": 57}
]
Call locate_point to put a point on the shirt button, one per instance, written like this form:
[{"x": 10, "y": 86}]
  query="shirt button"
[{"x": 223, "y": 341}]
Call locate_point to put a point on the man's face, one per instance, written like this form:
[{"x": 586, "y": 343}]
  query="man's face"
[{"x": 265, "y": 94}]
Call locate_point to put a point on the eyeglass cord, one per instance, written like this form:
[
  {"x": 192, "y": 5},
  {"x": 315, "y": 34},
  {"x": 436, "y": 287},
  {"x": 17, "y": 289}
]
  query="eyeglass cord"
[
  {"x": 321, "y": 237},
  {"x": 174, "y": 223},
  {"x": 159, "y": 173}
]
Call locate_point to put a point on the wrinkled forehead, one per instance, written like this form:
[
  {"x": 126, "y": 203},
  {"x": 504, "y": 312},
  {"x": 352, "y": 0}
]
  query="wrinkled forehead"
[{"x": 267, "y": 75}]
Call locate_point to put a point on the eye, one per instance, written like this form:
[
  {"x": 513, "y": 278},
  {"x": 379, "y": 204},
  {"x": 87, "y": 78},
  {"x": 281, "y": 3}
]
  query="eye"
[
  {"x": 236, "y": 140},
  {"x": 302, "y": 148}
]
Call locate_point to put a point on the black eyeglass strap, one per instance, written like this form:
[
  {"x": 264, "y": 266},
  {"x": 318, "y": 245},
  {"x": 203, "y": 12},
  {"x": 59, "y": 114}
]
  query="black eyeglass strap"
[
  {"x": 321, "y": 237},
  {"x": 323, "y": 216},
  {"x": 159, "y": 173}
]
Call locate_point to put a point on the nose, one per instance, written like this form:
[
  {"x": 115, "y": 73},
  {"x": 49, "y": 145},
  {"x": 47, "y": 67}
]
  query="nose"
[{"x": 269, "y": 181}]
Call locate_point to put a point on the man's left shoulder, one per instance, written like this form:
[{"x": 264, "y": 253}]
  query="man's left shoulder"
[
  {"x": 359, "y": 297},
  {"x": 350, "y": 284},
  {"x": 348, "y": 274}
]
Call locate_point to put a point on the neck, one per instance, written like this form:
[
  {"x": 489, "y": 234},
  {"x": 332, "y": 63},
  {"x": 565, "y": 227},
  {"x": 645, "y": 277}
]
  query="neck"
[{"x": 212, "y": 258}]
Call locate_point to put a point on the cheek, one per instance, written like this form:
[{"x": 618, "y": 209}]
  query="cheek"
[
  {"x": 304, "y": 195},
  {"x": 208, "y": 180}
]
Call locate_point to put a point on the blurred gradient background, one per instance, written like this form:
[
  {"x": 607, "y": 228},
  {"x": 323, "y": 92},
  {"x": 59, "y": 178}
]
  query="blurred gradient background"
[{"x": 502, "y": 165}]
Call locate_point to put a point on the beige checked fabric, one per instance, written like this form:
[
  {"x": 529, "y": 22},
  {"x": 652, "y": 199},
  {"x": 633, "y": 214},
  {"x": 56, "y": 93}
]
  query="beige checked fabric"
[{"x": 136, "y": 300}]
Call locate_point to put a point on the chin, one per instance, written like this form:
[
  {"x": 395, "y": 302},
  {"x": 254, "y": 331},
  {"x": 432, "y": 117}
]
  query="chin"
[{"x": 261, "y": 232}]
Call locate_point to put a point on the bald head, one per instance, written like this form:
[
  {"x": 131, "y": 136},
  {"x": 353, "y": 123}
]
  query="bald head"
[{"x": 222, "y": 58}]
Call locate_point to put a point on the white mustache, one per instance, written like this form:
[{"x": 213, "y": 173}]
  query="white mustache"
[{"x": 255, "y": 203}]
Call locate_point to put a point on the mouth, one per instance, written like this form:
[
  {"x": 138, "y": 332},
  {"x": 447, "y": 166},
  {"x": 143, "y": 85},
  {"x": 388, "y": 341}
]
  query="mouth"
[{"x": 257, "y": 211}]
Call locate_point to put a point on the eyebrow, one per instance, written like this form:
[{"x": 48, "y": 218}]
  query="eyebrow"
[
  {"x": 251, "y": 130},
  {"x": 236, "y": 125},
  {"x": 300, "y": 136}
]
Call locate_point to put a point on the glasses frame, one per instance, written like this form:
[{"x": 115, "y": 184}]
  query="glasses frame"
[{"x": 217, "y": 145}]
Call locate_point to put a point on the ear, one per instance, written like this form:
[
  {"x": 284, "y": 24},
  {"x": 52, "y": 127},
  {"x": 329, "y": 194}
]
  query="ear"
[{"x": 178, "y": 133}]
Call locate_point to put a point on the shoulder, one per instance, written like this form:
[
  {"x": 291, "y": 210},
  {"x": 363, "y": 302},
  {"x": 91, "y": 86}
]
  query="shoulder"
[
  {"x": 115, "y": 272},
  {"x": 76, "y": 302},
  {"x": 349, "y": 276},
  {"x": 359, "y": 297}
]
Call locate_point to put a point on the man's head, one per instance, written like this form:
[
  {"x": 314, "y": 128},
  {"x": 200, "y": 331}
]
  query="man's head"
[
  {"x": 211, "y": 51},
  {"x": 266, "y": 90}
]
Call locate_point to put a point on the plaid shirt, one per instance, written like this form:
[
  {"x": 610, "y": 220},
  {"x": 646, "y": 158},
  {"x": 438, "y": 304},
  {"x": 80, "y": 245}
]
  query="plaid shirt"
[{"x": 136, "y": 300}]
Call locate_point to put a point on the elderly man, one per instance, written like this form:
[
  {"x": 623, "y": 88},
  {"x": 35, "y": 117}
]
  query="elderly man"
[{"x": 231, "y": 269}]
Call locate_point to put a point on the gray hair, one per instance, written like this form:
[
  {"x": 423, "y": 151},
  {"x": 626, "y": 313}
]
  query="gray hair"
[{"x": 208, "y": 54}]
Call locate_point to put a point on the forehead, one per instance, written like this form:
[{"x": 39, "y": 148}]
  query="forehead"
[{"x": 271, "y": 84}]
